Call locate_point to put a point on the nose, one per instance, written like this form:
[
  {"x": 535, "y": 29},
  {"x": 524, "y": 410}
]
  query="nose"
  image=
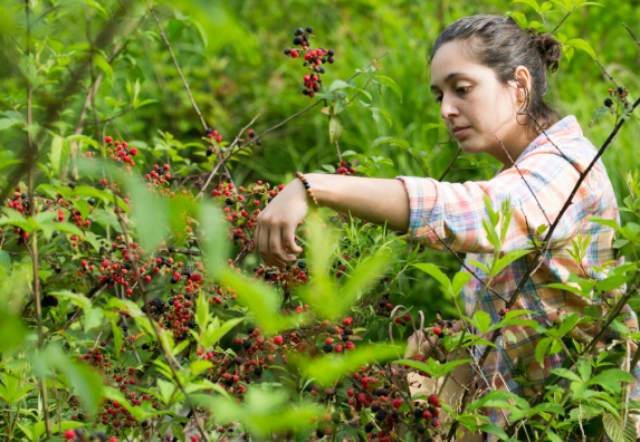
[{"x": 448, "y": 109}]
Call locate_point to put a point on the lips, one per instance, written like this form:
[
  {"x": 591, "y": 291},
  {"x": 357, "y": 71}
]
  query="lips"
[
  {"x": 456, "y": 129},
  {"x": 461, "y": 132}
]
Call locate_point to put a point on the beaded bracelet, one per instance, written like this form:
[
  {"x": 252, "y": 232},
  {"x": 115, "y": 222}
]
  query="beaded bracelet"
[{"x": 307, "y": 187}]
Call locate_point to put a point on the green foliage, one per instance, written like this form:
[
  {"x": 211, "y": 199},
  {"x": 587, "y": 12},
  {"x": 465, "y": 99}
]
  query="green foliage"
[{"x": 201, "y": 328}]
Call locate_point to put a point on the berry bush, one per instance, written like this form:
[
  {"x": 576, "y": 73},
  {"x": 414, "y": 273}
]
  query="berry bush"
[{"x": 133, "y": 304}]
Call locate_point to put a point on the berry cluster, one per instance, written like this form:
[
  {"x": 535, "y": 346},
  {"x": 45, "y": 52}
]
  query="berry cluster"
[
  {"x": 619, "y": 92},
  {"x": 120, "y": 151},
  {"x": 113, "y": 413},
  {"x": 313, "y": 59},
  {"x": 159, "y": 176},
  {"x": 242, "y": 207},
  {"x": 213, "y": 134},
  {"x": 345, "y": 168},
  {"x": 178, "y": 316}
]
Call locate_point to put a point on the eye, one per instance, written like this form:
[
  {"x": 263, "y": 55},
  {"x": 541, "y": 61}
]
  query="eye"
[{"x": 463, "y": 90}]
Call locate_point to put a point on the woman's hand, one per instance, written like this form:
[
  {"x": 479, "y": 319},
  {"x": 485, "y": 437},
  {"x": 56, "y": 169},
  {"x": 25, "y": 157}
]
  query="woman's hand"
[{"x": 277, "y": 223}]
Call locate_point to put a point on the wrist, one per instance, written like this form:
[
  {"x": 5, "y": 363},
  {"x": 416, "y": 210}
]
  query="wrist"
[{"x": 320, "y": 187}]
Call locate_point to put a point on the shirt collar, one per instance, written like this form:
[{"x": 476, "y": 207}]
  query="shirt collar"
[{"x": 567, "y": 127}]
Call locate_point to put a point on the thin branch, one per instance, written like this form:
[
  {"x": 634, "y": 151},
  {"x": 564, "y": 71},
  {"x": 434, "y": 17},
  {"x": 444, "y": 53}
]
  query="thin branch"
[
  {"x": 35, "y": 261},
  {"x": 633, "y": 36},
  {"x": 177, "y": 66},
  {"x": 223, "y": 160},
  {"x": 561, "y": 22},
  {"x": 451, "y": 163}
]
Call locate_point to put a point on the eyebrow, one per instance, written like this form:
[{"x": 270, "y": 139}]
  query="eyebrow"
[{"x": 448, "y": 78}]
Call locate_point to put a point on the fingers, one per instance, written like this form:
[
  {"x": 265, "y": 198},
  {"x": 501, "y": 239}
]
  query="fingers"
[
  {"x": 289, "y": 238},
  {"x": 270, "y": 245},
  {"x": 276, "y": 247}
]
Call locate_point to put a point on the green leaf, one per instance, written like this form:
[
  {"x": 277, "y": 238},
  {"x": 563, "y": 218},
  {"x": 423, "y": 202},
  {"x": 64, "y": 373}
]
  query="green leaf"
[
  {"x": 86, "y": 383},
  {"x": 75, "y": 298},
  {"x": 500, "y": 399},
  {"x": 391, "y": 141},
  {"x": 321, "y": 293},
  {"x": 12, "y": 332},
  {"x": 432, "y": 367},
  {"x": 568, "y": 374},
  {"x": 533, "y": 4},
  {"x": 12, "y": 118},
  {"x": 202, "y": 311},
  {"x": 262, "y": 301},
  {"x": 390, "y": 83},
  {"x": 460, "y": 279},
  {"x": 335, "y": 129},
  {"x": 14, "y": 388},
  {"x": 616, "y": 431},
  {"x": 339, "y": 84},
  {"x": 482, "y": 321},
  {"x": 507, "y": 259},
  {"x": 436, "y": 273},
  {"x": 363, "y": 278},
  {"x": 213, "y": 239},
  {"x": 542, "y": 348},
  {"x": 583, "y": 45},
  {"x": 264, "y": 411},
  {"x": 612, "y": 379},
  {"x": 329, "y": 368},
  {"x": 215, "y": 331}
]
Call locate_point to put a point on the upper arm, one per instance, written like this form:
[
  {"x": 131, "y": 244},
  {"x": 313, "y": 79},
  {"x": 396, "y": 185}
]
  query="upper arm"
[{"x": 536, "y": 191}]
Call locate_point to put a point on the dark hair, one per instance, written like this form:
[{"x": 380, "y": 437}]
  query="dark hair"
[{"x": 499, "y": 43}]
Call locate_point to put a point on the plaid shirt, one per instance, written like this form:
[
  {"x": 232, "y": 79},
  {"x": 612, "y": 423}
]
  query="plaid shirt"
[{"x": 537, "y": 187}]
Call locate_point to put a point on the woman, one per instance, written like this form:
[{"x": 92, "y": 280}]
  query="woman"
[{"x": 489, "y": 76}]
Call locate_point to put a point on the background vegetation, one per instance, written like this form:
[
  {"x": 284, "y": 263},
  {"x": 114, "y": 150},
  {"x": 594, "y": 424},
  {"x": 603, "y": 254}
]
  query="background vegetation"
[{"x": 80, "y": 77}]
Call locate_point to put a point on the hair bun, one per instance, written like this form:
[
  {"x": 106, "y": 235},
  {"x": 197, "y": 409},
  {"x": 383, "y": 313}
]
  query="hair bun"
[{"x": 549, "y": 48}]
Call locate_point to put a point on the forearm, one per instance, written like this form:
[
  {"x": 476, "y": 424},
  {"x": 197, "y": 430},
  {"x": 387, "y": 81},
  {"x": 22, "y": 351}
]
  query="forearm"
[{"x": 377, "y": 200}]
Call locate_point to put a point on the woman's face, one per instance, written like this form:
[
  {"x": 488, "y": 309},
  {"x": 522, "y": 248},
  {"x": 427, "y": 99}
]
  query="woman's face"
[{"x": 476, "y": 107}]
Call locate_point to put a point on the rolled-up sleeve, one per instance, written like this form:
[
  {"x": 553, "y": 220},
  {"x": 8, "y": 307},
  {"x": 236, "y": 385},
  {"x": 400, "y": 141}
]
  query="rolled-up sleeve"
[{"x": 537, "y": 191}]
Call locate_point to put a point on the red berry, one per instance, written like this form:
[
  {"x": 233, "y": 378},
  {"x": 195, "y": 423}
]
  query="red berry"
[
  {"x": 328, "y": 341},
  {"x": 396, "y": 403},
  {"x": 278, "y": 340},
  {"x": 433, "y": 400},
  {"x": 108, "y": 140},
  {"x": 437, "y": 330},
  {"x": 427, "y": 414},
  {"x": 347, "y": 321},
  {"x": 70, "y": 435}
]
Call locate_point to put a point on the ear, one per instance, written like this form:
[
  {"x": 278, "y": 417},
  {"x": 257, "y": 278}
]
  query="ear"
[{"x": 522, "y": 79}]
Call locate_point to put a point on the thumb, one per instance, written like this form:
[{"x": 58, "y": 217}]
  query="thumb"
[{"x": 289, "y": 240}]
